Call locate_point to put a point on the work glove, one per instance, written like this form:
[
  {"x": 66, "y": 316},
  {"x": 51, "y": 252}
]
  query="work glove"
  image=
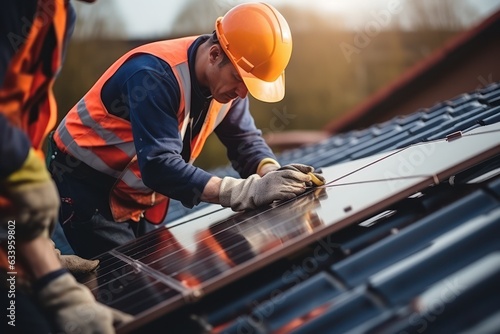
[
  {"x": 316, "y": 178},
  {"x": 255, "y": 191},
  {"x": 75, "y": 264},
  {"x": 75, "y": 310},
  {"x": 33, "y": 197}
]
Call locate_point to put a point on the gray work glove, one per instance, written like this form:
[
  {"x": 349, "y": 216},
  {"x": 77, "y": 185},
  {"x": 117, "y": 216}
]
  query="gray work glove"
[
  {"x": 75, "y": 264},
  {"x": 317, "y": 179},
  {"x": 33, "y": 196},
  {"x": 75, "y": 310},
  {"x": 255, "y": 191}
]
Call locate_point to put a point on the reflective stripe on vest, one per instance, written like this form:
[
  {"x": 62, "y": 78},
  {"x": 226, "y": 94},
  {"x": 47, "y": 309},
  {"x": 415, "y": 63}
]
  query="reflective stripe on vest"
[
  {"x": 185, "y": 80},
  {"x": 133, "y": 181},
  {"x": 105, "y": 141},
  {"x": 88, "y": 155}
]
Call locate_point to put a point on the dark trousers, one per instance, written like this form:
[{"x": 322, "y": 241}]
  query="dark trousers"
[{"x": 85, "y": 215}]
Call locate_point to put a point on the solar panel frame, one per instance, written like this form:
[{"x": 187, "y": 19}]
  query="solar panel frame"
[{"x": 312, "y": 200}]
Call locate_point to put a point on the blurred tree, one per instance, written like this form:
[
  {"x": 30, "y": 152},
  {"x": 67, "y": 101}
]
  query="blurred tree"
[
  {"x": 442, "y": 15},
  {"x": 85, "y": 63},
  {"x": 322, "y": 83},
  {"x": 198, "y": 16},
  {"x": 434, "y": 21},
  {"x": 96, "y": 44},
  {"x": 98, "y": 20}
]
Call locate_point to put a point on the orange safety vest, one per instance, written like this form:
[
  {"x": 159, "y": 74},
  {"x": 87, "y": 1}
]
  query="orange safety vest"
[
  {"x": 26, "y": 96},
  {"x": 105, "y": 141}
]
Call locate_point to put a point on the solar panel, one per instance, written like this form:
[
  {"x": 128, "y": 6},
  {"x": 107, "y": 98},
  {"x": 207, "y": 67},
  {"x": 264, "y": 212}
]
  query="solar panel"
[
  {"x": 128, "y": 287},
  {"x": 166, "y": 268},
  {"x": 439, "y": 159}
]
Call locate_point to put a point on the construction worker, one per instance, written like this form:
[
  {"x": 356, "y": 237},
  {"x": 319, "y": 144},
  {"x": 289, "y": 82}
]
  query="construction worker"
[
  {"x": 39, "y": 294},
  {"x": 128, "y": 145}
]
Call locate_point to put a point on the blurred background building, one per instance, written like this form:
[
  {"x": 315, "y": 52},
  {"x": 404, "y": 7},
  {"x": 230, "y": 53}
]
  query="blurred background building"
[{"x": 347, "y": 57}]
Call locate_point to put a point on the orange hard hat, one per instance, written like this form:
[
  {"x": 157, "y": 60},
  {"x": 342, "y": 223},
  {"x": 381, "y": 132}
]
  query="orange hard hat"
[{"x": 257, "y": 40}]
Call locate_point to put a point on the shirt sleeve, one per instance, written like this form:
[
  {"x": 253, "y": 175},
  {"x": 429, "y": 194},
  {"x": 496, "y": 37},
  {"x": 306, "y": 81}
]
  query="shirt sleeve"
[
  {"x": 152, "y": 96},
  {"x": 14, "y": 147},
  {"x": 245, "y": 146},
  {"x": 14, "y": 144}
]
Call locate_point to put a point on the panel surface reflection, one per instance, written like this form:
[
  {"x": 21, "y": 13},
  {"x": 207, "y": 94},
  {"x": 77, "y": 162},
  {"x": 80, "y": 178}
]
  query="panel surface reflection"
[
  {"x": 209, "y": 247},
  {"x": 199, "y": 254},
  {"x": 426, "y": 159},
  {"x": 117, "y": 284},
  {"x": 203, "y": 252}
]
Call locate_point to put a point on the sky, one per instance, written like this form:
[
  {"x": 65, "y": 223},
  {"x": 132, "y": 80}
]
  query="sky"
[{"x": 152, "y": 18}]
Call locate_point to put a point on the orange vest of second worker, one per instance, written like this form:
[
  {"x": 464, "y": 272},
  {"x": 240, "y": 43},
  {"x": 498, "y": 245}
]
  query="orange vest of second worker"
[
  {"x": 105, "y": 141},
  {"x": 26, "y": 96}
]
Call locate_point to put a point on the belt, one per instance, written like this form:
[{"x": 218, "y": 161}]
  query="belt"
[
  {"x": 83, "y": 179},
  {"x": 58, "y": 161}
]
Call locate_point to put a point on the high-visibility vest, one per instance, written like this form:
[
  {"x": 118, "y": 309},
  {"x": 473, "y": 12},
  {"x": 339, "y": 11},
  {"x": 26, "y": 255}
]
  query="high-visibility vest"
[
  {"x": 105, "y": 142},
  {"x": 26, "y": 96}
]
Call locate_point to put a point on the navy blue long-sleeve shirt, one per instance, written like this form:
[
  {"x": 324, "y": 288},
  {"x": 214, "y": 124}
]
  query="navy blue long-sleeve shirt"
[
  {"x": 14, "y": 147},
  {"x": 145, "y": 91}
]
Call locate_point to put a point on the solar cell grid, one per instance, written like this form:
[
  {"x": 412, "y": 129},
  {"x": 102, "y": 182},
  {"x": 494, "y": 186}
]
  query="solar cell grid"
[{"x": 164, "y": 267}]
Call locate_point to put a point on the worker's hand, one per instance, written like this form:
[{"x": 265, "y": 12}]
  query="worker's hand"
[
  {"x": 75, "y": 264},
  {"x": 255, "y": 191},
  {"x": 316, "y": 178},
  {"x": 75, "y": 310},
  {"x": 34, "y": 198}
]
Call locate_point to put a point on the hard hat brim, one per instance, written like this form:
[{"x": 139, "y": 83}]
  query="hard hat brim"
[{"x": 266, "y": 91}]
